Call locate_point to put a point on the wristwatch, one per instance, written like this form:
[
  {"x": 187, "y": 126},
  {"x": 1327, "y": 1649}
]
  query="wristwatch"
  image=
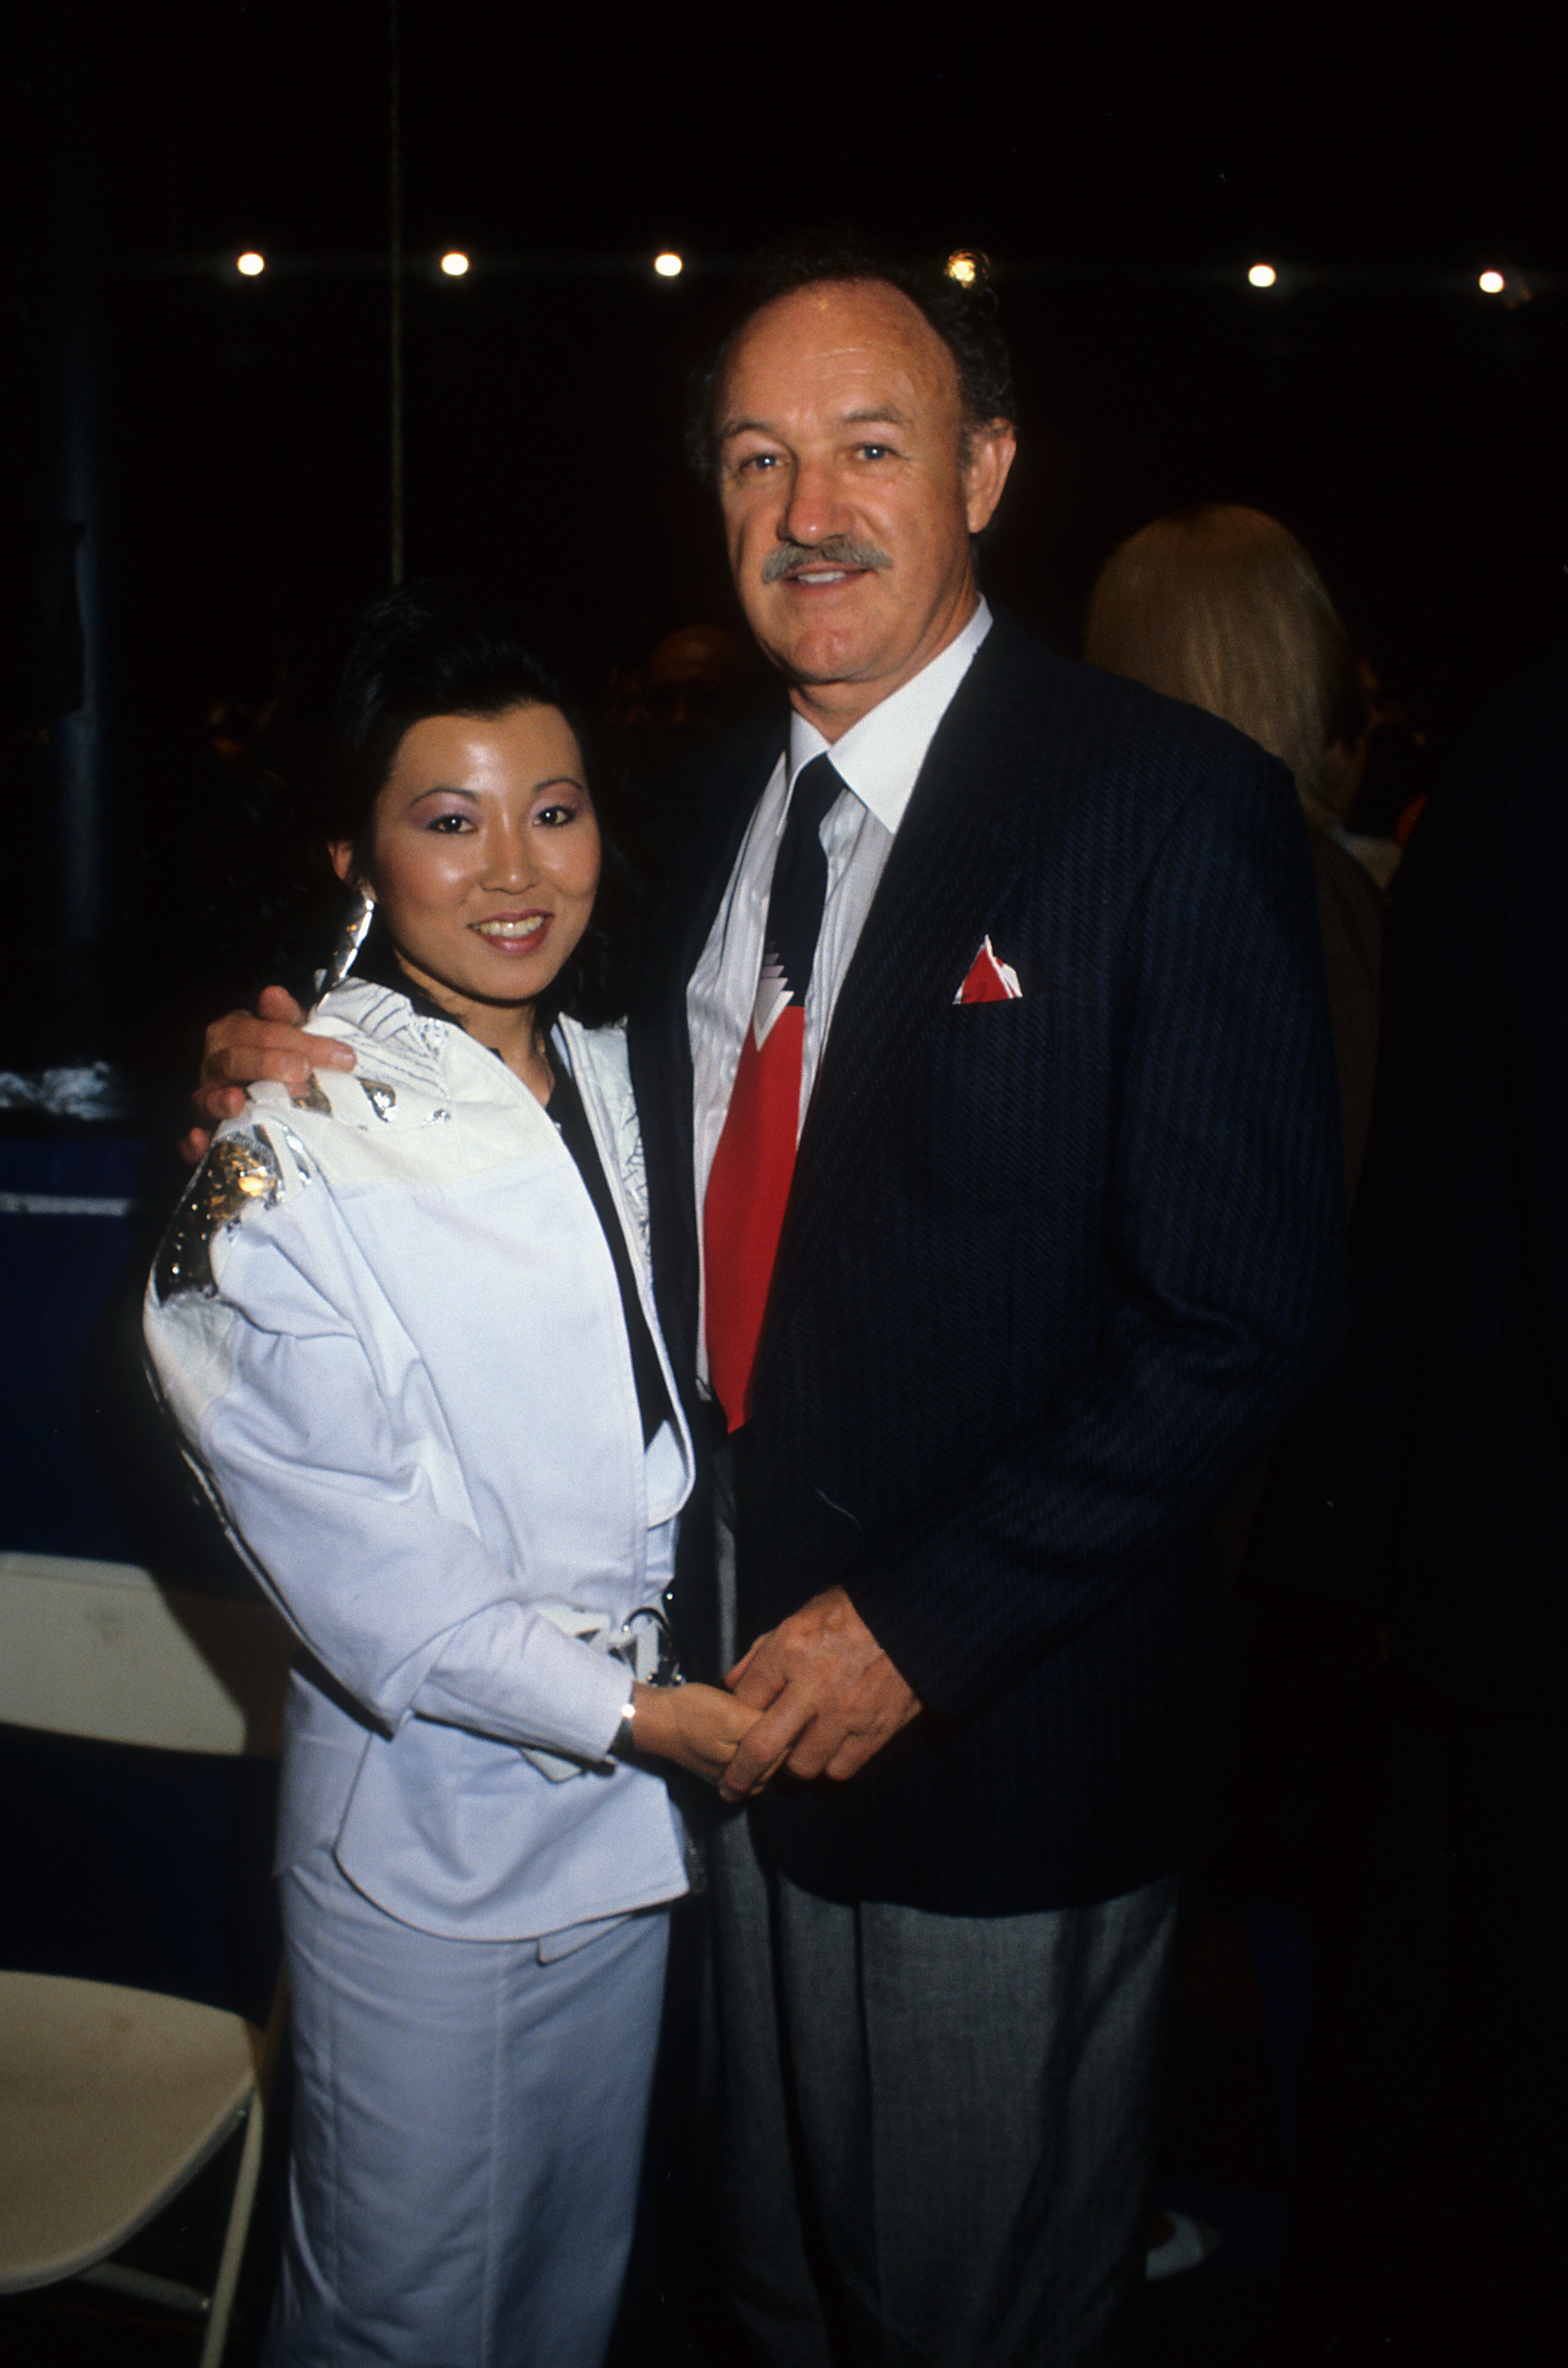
[{"x": 622, "y": 1743}]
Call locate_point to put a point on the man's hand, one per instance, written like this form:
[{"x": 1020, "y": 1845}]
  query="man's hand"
[
  {"x": 829, "y": 1696},
  {"x": 241, "y": 1049}
]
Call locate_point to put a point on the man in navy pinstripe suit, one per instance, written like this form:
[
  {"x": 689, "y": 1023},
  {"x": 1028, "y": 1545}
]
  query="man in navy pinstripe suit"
[{"x": 1060, "y": 1245}]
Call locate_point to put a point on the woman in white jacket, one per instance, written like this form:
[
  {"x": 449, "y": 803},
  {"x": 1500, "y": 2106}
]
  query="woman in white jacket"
[{"x": 403, "y": 1321}]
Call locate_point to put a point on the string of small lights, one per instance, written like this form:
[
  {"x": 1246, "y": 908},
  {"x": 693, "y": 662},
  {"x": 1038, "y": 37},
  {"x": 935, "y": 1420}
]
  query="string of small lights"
[{"x": 967, "y": 265}]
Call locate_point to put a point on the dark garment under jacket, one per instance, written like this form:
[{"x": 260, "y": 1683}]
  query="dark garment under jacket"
[
  {"x": 1052, "y": 1269},
  {"x": 565, "y": 1107},
  {"x": 1429, "y": 1477}
]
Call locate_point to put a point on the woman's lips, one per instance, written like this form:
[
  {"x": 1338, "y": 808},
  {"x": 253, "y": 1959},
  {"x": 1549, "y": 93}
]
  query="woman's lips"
[{"x": 513, "y": 934}]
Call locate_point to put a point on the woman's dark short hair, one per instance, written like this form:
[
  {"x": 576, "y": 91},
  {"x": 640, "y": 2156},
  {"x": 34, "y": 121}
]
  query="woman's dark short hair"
[
  {"x": 431, "y": 649},
  {"x": 964, "y": 318}
]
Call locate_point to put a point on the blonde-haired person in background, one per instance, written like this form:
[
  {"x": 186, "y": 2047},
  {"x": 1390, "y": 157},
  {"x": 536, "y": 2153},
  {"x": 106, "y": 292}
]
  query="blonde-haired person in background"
[{"x": 1221, "y": 605}]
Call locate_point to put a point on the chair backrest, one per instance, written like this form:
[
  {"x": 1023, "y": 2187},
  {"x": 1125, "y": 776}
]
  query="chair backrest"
[{"x": 106, "y": 1650}]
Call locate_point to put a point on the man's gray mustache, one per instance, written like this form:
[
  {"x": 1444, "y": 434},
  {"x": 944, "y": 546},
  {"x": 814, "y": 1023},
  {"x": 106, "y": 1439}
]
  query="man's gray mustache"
[{"x": 834, "y": 551}]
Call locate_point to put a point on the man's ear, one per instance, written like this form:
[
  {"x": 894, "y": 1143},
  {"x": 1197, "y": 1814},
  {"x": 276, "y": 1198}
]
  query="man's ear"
[
  {"x": 341, "y": 851},
  {"x": 989, "y": 451}
]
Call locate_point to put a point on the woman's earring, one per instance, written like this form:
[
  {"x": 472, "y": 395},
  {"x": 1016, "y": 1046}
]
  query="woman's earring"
[{"x": 350, "y": 937}]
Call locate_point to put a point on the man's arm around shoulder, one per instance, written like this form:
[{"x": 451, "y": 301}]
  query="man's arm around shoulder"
[{"x": 243, "y": 1048}]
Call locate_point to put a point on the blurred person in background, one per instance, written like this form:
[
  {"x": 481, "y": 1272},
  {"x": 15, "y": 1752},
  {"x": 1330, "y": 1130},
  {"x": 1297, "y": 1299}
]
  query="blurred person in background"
[
  {"x": 691, "y": 686},
  {"x": 1221, "y": 605},
  {"x": 245, "y": 701},
  {"x": 1391, "y": 783},
  {"x": 1424, "y": 1496}
]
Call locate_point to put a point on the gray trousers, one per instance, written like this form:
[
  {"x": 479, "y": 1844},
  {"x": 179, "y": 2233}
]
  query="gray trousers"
[
  {"x": 468, "y": 2136},
  {"x": 935, "y": 2134}
]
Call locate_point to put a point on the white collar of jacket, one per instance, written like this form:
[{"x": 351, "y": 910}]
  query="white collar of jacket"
[
  {"x": 411, "y": 1070},
  {"x": 880, "y": 756}
]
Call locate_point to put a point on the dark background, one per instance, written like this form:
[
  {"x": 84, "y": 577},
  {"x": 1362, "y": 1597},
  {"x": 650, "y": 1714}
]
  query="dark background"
[
  {"x": 231, "y": 440},
  {"x": 196, "y": 472}
]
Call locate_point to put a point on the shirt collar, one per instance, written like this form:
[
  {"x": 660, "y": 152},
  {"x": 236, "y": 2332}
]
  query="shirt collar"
[{"x": 880, "y": 756}]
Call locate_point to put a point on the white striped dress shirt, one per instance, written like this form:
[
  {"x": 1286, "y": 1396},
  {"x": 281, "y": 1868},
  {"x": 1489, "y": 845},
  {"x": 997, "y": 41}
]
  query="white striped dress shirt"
[{"x": 879, "y": 759}]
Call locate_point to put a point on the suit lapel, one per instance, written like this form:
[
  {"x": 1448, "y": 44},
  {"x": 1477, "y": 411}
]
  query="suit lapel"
[
  {"x": 726, "y": 788},
  {"x": 952, "y": 864}
]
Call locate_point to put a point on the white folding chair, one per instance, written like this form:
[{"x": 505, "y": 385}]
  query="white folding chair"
[{"x": 112, "y": 2099}]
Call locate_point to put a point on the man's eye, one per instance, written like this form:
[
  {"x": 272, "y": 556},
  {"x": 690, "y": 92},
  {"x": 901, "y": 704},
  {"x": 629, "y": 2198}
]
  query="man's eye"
[
  {"x": 757, "y": 461},
  {"x": 875, "y": 452}
]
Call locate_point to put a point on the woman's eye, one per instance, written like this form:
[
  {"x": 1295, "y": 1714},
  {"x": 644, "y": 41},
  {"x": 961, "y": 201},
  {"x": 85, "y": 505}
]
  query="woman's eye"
[
  {"x": 555, "y": 815},
  {"x": 450, "y": 823}
]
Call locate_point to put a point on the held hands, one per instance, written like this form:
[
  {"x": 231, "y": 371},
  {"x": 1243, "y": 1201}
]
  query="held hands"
[
  {"x": 828, "y": 1695},
  {"x": 241, "y": 1049},
  {"x": 697, "y": 1727}
]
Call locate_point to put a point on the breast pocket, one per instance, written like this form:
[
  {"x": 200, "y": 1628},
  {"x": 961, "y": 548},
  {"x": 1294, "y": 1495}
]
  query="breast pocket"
[{"x": 988, "y": 1122}]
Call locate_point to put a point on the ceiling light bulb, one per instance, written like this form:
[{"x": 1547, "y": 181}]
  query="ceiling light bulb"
[
  {"x": 1491, "y": 283},
  {"x": 1262, "y": 274},
  {"x": 250, "y": 265},
  {"x": 669, "y": 266},
  {"x": 455, "y": 264},
  {"x": 963, "y": 268}
]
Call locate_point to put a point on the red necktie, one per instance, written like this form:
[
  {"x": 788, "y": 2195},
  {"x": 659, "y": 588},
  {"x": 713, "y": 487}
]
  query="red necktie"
[{"x": 748, "y": 1186}]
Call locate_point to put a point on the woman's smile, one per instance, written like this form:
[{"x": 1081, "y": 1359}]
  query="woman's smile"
[{"x": 513, "y": 933}]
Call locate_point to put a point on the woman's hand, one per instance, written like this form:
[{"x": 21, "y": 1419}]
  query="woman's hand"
[{"x": 700, "y": 1728}]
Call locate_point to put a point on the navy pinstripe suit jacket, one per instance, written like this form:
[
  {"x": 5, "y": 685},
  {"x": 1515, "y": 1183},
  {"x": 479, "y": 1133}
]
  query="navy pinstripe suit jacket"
[{"x": 1051, "y": 1270}]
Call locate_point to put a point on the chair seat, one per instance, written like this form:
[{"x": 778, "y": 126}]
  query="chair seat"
[{"x": 110, "y": 2099}]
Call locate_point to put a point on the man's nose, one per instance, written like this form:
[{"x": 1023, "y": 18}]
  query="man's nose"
[{"x": 815, "y": 507}]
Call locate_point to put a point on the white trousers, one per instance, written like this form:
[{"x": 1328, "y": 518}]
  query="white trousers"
[{"x": 468, "y": 2135}]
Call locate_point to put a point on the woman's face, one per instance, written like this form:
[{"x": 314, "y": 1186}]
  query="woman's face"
[{"x": 483, "y": 852}]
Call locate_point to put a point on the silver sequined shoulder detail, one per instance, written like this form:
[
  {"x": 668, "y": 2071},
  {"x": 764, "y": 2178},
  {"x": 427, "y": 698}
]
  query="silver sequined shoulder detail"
[
  {"x": 302, "y": 1158},
  {"x": 311, "y": 1096},
  {"x": 237, "y": 1174},
  {"x": 381, "y": 1096}
]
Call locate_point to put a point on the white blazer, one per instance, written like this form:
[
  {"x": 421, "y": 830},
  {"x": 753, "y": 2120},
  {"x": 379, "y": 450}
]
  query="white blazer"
[{"x": 387, "y": 1322}]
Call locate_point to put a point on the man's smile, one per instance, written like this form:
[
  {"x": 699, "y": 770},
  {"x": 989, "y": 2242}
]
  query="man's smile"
[{"x": 820, "y": 578}]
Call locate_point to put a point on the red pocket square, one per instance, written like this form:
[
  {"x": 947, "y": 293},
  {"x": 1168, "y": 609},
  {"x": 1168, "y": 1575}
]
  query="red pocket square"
[{"x": 989, "y": 980}]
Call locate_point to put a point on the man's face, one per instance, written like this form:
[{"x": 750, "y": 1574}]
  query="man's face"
[{"x": 849, "y": 490}]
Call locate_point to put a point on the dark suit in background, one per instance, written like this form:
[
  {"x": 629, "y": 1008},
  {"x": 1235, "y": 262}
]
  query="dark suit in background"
[
  {"x": 1428, "y": 1482},
  {"x": 1351, "y": 921},
  {"x": 1052, "y": 1269}
]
